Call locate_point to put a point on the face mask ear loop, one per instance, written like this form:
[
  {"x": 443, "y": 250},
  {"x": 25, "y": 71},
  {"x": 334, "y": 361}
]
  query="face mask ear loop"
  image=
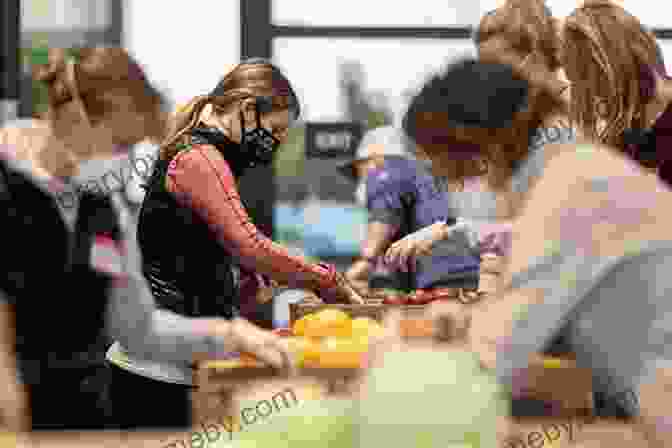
[
  {"x": 258, "y": 115},
  {"x": 242, "y": 125}
]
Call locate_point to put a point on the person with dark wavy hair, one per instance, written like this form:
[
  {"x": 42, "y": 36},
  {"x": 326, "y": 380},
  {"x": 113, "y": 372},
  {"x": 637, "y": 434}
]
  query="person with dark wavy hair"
[
  {"x": 522, "y": 34},
  {"x": 590, "y": 253}
]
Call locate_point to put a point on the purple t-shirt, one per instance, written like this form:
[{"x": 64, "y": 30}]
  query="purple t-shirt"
[{"x": 403, "y": 194}]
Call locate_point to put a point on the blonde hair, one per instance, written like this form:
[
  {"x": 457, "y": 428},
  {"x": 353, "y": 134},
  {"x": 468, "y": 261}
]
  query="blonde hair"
[
  {"x": 605, "y": 52},
  {"x": 246, "y": 80},
  {"x": 522, "y": 34},
  {"x": 82, "y": 84}
]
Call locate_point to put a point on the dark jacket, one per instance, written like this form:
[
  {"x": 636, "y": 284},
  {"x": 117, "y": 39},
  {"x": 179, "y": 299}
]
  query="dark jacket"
[{"x": 58, "y": 300}]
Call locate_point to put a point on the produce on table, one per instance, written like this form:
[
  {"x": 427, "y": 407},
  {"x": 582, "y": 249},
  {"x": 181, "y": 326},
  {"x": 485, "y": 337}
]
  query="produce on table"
[
  {"x": 420, "y": 297},
  {"x": 332, "y": 339},
  {"x": 417, "y": 328},
  {"x": 395, "y": 300}
]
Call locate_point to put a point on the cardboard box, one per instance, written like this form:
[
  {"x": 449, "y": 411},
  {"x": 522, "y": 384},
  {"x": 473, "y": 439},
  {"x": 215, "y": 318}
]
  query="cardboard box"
[{"x": 566, "y": 388}]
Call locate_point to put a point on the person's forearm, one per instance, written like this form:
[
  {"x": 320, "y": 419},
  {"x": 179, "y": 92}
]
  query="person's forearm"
[
  {"x": 655, "y": 393},
  {"x": 378, "y": 238},
  {"x": 14, "y": 399},
  {"x": 135, "y": 321},
  {"x": 7, "y": 338}
]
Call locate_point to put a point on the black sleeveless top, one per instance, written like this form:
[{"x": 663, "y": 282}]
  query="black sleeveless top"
[
  {"x": 188, "y": 271},
  {"x": 59, "y": 300}
]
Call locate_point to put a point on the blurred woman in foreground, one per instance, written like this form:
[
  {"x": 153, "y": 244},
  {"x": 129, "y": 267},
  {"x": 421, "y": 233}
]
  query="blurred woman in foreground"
[
  {"x": 582, "y": 248},
  {"x": 66, "y": 281},
  {"x": 99, "y": 104},
  {"x": 193, "y": 229}
]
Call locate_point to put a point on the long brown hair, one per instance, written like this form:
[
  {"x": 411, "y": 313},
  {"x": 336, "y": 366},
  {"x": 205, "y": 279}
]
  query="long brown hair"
[
  {"x": 522, "y": 34},
  {"x": 605, "y": 50},
  {"x": 84, "y": 83},
  {"x": 247, "y": 80}
]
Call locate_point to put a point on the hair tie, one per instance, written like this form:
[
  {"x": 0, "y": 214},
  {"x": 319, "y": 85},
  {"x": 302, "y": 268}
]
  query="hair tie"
[{"x": 135, "y": 72}]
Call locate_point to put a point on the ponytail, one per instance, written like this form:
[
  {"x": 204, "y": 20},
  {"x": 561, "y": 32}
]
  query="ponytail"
[{"x": 184, "y": 121}]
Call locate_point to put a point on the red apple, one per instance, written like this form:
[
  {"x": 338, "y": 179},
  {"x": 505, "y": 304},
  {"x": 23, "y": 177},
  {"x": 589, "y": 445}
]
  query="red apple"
[
  {"x": 394, "y": 300},
  {"x": 420, "y": 297}
]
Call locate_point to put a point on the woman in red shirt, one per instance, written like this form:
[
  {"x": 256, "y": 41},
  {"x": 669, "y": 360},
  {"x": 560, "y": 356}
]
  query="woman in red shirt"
[{"x": 200, "y": 250}]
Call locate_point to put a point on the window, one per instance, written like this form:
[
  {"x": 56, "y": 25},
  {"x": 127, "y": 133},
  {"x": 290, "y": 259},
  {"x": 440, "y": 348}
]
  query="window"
[
  {"x": 314, "y": 201},
  {"x": 376, "y": 13},
  {"x": 65, "y": 14},
  {"x": 389, "y": 69}
]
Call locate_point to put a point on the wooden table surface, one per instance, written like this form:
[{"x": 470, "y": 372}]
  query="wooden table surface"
[{"x": 522, "y": 433}]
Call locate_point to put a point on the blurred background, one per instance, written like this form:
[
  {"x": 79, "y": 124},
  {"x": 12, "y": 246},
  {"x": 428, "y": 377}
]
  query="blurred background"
[{"x": 354, "y": 64}]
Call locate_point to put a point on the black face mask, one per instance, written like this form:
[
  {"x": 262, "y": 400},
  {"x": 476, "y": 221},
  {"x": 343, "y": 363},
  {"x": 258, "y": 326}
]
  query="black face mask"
[
  {"x": 258, "y": 144},
  {"x": 256, "y": 148}
]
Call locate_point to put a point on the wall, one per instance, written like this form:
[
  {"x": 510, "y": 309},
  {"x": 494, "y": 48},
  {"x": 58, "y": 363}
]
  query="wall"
[{"x": 184, "y": 46}]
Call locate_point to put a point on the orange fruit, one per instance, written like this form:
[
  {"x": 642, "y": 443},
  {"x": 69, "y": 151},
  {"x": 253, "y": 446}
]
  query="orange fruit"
[
  {"x": 365, "y": 327},
  {"x": 343, "y": 353},
  {"x": 329, "y": 322},
  {"x": 299, "y": 327},
  {"x": 416, "y": 328},
  {"x": 249, "y": 360},
  {"x": 304, "y": 349}
]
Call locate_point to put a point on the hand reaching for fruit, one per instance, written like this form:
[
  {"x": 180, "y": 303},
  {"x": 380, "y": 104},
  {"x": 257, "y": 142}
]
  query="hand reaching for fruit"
[
  {"x": 404, "y": 252},
  {"x": 264, "y": 345},
  {"x": 451, "y": 320},
  {"x": 344, "y": 292}
]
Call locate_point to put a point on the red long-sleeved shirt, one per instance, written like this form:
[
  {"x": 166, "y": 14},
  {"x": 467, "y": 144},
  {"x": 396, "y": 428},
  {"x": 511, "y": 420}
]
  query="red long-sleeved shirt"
[{"x": 201, "y": 179}]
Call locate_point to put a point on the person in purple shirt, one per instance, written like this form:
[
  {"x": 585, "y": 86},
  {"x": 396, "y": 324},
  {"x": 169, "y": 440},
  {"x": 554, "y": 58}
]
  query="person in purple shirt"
[{"x": 401, "y": 197}]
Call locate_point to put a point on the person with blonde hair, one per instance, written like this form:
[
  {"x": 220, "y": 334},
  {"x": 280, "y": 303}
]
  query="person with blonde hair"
[
  {"x": 621, "y": 92},
  {"x": 593, "y": 233},
  {"x": 202, "y": 255},
  {"x": 99, "y": 104},
  {"x": 71, "y": 275}
]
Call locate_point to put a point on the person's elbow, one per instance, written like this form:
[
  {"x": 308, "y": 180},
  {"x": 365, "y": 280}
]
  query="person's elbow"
[{"x": 132, "y": 333}]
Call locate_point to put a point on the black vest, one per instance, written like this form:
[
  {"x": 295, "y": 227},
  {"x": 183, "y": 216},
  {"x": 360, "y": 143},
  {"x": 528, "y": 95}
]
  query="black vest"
[{"x": 187, "y": 269}]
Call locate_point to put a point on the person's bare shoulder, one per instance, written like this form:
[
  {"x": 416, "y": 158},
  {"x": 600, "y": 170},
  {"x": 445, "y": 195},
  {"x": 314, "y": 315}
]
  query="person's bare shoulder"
[
  {"x": 584, "y": 160},
  {"x": 23, "y": 139}
]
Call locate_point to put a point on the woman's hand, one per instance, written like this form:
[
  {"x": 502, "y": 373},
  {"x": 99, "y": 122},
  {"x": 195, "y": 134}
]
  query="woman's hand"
[
  {"x": 343, "y": 292},
  {"x": 264, "y": 345},
  {"x": 358, "y": 274},
  {"x": 417, "y": 244}
]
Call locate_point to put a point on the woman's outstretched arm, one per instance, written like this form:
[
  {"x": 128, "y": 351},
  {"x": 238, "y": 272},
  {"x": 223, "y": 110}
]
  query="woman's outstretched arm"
[{"x": 201, "y": 179}]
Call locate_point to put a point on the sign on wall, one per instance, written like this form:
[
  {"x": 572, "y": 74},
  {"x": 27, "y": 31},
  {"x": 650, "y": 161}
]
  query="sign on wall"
[{"x": 332, "y": 140}]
